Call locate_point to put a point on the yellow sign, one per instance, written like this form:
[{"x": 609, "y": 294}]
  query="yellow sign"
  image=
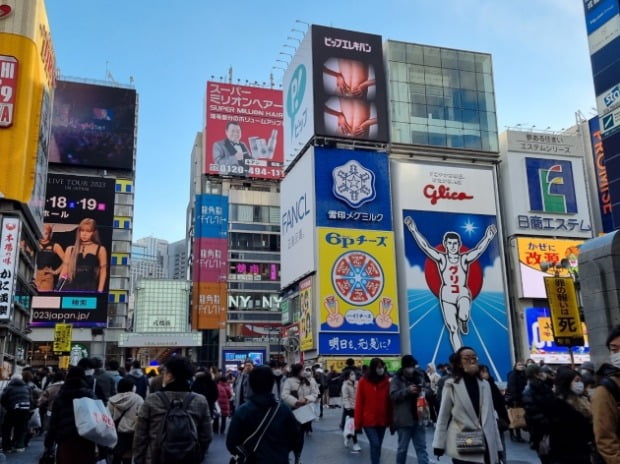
[
  {"x": 63, "y": 362},
  {"x": 62, "y": 338},
  {"x": 306, "y": 328},
  {"x": 357, "y": 281},
  {"x": 545, "y": 329},
  {"x": 536, "y": 250},
  {"x": 567, "y": 329}
]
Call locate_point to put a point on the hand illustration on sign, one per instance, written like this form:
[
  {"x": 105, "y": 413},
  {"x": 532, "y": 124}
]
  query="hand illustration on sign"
[
  {"x": 383, "y": 319},
  {"x": 334, "y": 318}
]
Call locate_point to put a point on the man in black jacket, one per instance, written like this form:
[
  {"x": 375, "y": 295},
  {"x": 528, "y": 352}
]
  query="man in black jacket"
[
  {"x": 17, "y": 401},
  {"x": 281, "y": 430}
]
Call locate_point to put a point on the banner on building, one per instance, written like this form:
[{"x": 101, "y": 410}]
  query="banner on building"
[
  {"x": 62, "y": 338},
  {"x": 306, "y": 318},
  {"x": 9, "y": 248},
  {"x": 567, "y": 329}
]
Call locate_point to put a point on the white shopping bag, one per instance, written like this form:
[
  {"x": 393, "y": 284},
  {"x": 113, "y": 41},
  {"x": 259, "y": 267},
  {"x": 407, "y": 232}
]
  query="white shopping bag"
[
  {"x": 304, "y": 413},
  {"x": 94, "y": 422},
  {"x": 349, "y": 427}
]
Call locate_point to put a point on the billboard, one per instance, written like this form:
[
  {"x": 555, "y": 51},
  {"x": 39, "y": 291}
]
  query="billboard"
[
  {"x": 450, "y": 262},
  {"x": 306, "y": 315},
  {"x": 233, "y": 358},
  {"x": 533, "y": 251},
  {"x": 93, "y": 126},
  {"x": 350, "y": 97},
  {"x": 72, "y": 263},
  {"x": 244, "y": 133},
  {"x": 541, "y": 344},
  {"x": 211, "y": 216},
  {"x": 352, "y": 189},
  {"x": 9, "y": 248},
  {"x": 297, "y": 208},
  {"x": 604, "y": 35},
  {"x": 599, "y": 12},
  {"x": 600, "y": 171},
  {"x": 27, "y": 80},
  {"x": 565, "y": 319},
  {"x": 209, "y": 305}
]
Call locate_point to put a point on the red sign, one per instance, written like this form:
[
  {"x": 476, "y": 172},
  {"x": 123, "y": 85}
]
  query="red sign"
[
  {"x": 8, "y": 89},
  {"x": 442, "y": 192},
  {"x": 244, "y": 132},
  {"x": 5, "y": 10}
]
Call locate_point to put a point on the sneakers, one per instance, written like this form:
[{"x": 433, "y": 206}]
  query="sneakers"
[
  {"x": 356, "y": 448},
  {"x": 346, "y": 442},
  {"x": 20, "y": 450}
]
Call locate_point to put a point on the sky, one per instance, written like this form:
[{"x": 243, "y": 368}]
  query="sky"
[{"x": 171, "y": 49}]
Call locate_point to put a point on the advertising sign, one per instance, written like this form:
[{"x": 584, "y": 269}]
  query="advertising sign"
[
  {"x": 604, "y": 35},
  {"x": 358, "y": 344},
  {"x": 209, "y": 305},
  {"x": 450, "y": 265},
  {"x": 536, "y": 250},
  {"x": 541, "y": 344},
  {"x": 9, "y": 248},
  {"x": 232, "y": 358},
  {"x": 93, "y": 126},
  {"x": 62, "y": 338},
  {"x": 72, "y": 264},
  {"x": 350, "y": 97},
  {"x": 352, "y": 189},
  {"x": 211, "y": 216},
  {"x": 27, "y": 80},
  {"x": 297, "y": 207},
  {"x": 544, "y": 195},
  {"x": 567, "y": 330},
  {"x": 599, "y": 13},
  {"x": 306, "y": 318},
  {"x": 298, "y": 101},
  {"x": 210, "y": 259},
  {"x": 610, "y": 123},
  {"x": 357, "y": 284},
  {"x": 602, "y": 180},
  {"x": 244, "y": 133}
]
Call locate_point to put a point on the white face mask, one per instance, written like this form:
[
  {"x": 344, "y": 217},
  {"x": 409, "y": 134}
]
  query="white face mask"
[
  {"x": 352, "y": 377},
  {"x": 89, "y": 371},
  {"x": 307, "y": 374},
  {"x": 577, "y": 388},
  {"x": 614, "y": 359},
  {"x": 277, "y": 372},
  {"x": 380, "y": 371}
]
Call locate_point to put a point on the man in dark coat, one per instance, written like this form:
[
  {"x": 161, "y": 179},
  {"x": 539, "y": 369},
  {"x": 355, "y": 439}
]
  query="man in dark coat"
[
  {"x": 17, "y": 401},
  {"x": 282, "y": 433},
  {"x": 514, "y": 394}
]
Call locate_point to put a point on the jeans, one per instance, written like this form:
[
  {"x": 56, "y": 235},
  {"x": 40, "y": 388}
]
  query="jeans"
[
  {"x": 416, "y": 434},
  {"x": 375, "y": 439},
  {"x": 14, "y": 429}
]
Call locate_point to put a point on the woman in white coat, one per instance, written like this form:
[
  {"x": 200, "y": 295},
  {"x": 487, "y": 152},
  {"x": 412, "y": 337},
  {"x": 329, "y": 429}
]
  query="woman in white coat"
[
  {"x": 300, "y": 389},
  {"x": 466, "y": 405}
]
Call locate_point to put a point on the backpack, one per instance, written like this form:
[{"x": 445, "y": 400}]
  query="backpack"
[
  {"x": 179, "y": 439},
  {"x": 612, "y": 387}
]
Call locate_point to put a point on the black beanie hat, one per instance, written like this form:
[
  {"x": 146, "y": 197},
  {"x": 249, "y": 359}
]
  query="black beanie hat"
[{"x": 408, "y": 361}]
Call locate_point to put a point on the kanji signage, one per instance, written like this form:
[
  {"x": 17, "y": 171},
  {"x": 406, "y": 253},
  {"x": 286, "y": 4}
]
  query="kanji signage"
[
  {"x": 9, "y": 246},
  {"x": 62, "y": 338},
  {"x": 567, "y": 329}
]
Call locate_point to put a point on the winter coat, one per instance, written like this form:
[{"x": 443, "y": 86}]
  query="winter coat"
[
  {"x": 242, "y": 389},
  {"x": 294, "y": 389},
  {"x": 142, "y": 383},
  {"x": 537, "y": 396},
  {"x": 152, "y": 416},
  {"x": 204, "y": 384},
  {"x": 514, "y": 390},
  {"x": 62, "y": 423},
  {"x": 278, "y": 386},
  {"x": 457, "y": 414},
  {"x": 280, "y": 438},
  {"x": 570, "y": 433},
  {"x": 403, "y": 401},
  {"x": 17, "y": 393},
  {"x": 373, "y": 407},
  {"x": 128, "y": 405},
  {"x": 224, "y": 395},
  {"x": 46, "y": 400},
  {"x": 349, "y": 389},
  {"x": 606, "y": 416},
  {"x": 106, "y": 381}
]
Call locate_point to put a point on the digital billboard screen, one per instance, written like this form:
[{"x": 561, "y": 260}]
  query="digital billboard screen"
[
  {"x": 350, "y": 85},
  {"x": 72, "y": 262},
  {"x": 93, "y": 126},
  {"x": 244, "y": 132}
]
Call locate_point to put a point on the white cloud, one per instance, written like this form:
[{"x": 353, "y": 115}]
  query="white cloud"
[
  {"x": 493, "y": 281},
  {"x": 415, "y": 278}
]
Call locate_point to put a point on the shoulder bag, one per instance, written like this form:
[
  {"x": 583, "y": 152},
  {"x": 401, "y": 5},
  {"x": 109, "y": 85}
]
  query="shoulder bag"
[
  {"x": 471, "y": 441},
  {"x": 244, "y": 453}
]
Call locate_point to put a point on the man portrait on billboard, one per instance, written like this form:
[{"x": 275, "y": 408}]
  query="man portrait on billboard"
[
  {"x": 230, "y": 154},
  {"x": 453, "y": 264}
]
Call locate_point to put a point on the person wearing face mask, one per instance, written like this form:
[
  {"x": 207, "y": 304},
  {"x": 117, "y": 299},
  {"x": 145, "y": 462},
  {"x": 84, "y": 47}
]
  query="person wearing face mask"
[
  {"x": 349, "y": 391},
  {"x": 605, "y": 401},
  {"x": 514, "y": 395},
  {"x": 299, "y": 390},
  {"x": 570, "y": 420},
  {"x": 466, "y": 405},
  {"x": 405, "y": 387},
  {"x": 373, "y": 407},
  {"x": 536, "y": 398},
  {"x": 277, "y": 368}
]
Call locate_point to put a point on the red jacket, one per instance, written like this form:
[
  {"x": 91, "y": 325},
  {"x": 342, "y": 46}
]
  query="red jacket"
[
  {"x": 373, "y": 407},
  {"x": 224, "y": 392}
]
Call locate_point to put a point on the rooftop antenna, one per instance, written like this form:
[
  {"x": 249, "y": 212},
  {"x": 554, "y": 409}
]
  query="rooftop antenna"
[{"x": 230, "y": 75}]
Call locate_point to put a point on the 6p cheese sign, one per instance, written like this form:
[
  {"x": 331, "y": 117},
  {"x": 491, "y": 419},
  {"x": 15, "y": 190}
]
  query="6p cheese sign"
[{"x": 8, "y": 89}]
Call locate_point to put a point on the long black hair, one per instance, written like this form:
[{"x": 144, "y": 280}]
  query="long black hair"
[
  {"x": 457, "y": 364},
  {"x": 371, "y": 374}
]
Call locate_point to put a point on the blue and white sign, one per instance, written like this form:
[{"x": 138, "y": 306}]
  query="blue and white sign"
[
  {"x": 363, "y": 344},
  {"x": 604, "y": 35},
  {"x": 610, "y": 123},
  {"x": 211, "y": 218},
  {"x": 600, "y": 14},
  {"x": 608, "y": 100},
  {"x": 353, "y": 189}
]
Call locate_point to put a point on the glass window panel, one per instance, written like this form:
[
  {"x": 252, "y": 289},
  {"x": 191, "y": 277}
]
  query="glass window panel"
[
  {"x": 489, "y": 101},
  {"x": 454, "y": 138},
  {"x": 397, "y": 51},
  {"x": 471, "y": 117},
  {"x": 419, "y": 111},
  {"x": 472, "y": 141},
  {"x": 436, "y": 115},
  {"x": 467, "y": 61},
  {"x": 451, "y": 78},
  {"x": 274, "y": 214},
  {"x": 454, "y": 98},
  {"x": 487, "y": 121},
  {"x": 449, "y": 59},
  {"x": 415, "y": 54},
  {"x": 454, "y": 117},
  {"x": 398, "y": 91},
  {"x": 418, "y": 98},
  {"x": 401, "y": 133},
  {"x": 437, "y": 101},
  {"x": 433, "y": 77},
  {"x": 398, "y": 71},
  {"x": 469, "y": 100},
  {"x": 419, "y": 135},
  {"x": 468, "y": 80},
  {"x": 417, "y": 88},
  {"x": 400, "y": 112},
  {"x": 489, "y": 141},
  {"x": 416, "y": 74},
  {"x": 483, "y": 63},
  {"x": 432, "y": 56},
  {"x": 245, "y": 213},
  {"x": 437, "y": 137},
  {"x": 436, "y": 90},
  {"x": 233, "y": 211}
]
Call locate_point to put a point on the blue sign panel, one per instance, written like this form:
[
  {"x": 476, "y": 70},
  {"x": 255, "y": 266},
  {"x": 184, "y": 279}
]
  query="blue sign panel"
[
  {"x": 352, "y": 189},
  {"x": 602, "y": 179},
  {"x": 211, "y": 220},
  {"x": 363, "y": 344},
  {"x": 599, "y": 14},
  {"x": 551, "y": 185}
]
